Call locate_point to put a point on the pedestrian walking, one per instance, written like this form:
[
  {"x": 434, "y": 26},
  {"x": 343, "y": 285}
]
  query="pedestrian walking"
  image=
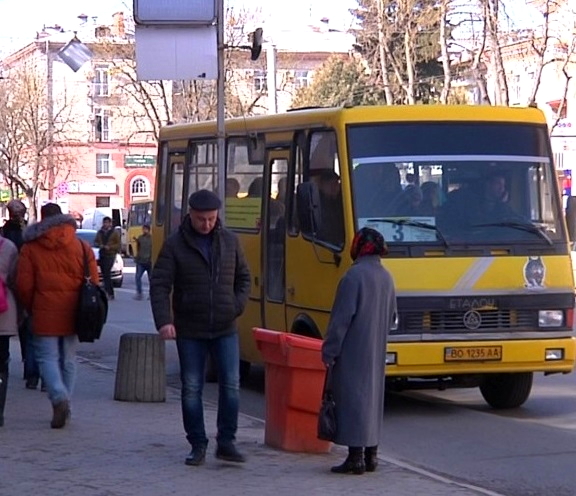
[
  {"x": 143, "y": 258},
  {"x": 48, "y": 280},
  {"x": 200, "y": 285},
  {"x": 109, "y": 242},
  {"x": 12, "y": 230},
  {"x": 8, "y": 314},
  {"x": 363, "y": 313}
]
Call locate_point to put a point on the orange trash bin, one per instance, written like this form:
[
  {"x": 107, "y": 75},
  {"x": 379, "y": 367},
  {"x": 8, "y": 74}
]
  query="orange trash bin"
[{"x": 294, "y": 381}]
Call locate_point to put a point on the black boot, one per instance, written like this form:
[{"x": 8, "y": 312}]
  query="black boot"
[
  {"x": 197, "y": 456},
  {"x": 3, "y": 390},
  {"x": 354, "y": 463},
  {"x": 371, "y": 458}
]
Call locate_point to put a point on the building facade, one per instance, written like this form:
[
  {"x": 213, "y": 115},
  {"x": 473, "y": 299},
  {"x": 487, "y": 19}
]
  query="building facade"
[{"x": 104, "y": 122}]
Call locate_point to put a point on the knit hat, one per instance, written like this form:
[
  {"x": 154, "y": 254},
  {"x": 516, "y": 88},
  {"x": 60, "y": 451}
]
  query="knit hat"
[{"x": 204, "y": 200}]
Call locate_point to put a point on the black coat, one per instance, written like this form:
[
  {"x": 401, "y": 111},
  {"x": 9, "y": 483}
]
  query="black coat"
[{"x": 207, "y": 295}]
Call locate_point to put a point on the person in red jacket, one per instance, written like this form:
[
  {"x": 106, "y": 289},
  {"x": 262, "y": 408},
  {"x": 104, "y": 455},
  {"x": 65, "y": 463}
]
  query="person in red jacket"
[{"x": 49, "y": 276}]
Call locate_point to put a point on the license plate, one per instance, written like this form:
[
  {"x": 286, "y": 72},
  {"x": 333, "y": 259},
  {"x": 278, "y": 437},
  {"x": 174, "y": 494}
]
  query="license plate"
[{"x": 472, "y": 353}]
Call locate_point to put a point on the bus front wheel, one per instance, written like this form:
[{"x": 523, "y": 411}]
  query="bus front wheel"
[{"x": 506, "y": 390}]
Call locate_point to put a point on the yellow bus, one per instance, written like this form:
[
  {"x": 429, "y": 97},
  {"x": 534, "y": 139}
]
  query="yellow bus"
[
  {"x": 466, "y": 198},
  {"x": 139, "y": 214}
]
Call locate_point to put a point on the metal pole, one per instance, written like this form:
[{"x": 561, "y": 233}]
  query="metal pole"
[
  {"x": 271, "y": 76},
  {"x": 221, "y": 130},
  {"x": 50, "y": 127}
]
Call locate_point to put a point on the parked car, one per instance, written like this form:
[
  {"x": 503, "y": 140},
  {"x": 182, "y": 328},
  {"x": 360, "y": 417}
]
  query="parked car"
[{"x": 89, "y": 235}]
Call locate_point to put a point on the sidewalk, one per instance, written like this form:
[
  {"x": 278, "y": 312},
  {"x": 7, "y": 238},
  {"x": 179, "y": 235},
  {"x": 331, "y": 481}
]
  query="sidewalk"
[{"x": 113, "y": 448}]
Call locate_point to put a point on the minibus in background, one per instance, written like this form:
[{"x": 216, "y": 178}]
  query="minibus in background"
[{"x": 139, "y": 214}]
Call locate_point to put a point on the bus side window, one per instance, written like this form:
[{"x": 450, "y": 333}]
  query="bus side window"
[{"x": 324, "y": 171}]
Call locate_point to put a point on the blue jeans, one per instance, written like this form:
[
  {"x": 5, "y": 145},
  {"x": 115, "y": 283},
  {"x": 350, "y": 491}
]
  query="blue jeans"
[
  {"x": 140, "y": 269},
  {"x": 57, "y": 361},
  {"x": 226, "y": 355}
]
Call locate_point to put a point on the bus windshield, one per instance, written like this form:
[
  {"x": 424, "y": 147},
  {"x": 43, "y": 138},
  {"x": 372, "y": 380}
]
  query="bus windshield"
[{"x": 473, "y": 183}]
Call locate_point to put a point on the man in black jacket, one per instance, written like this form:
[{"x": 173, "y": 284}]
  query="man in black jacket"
[{"x": 200, "y": 284}]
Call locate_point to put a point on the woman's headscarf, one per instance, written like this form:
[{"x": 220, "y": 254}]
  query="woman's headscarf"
[{"x": 368, "y": 241}]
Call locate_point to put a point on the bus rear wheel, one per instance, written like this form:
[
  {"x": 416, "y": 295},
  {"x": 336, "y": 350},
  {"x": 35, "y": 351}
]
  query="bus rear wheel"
[{"x": 506, "y": 390}]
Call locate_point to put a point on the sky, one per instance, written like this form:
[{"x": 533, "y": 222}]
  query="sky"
[{"x": 21, "y": 19}]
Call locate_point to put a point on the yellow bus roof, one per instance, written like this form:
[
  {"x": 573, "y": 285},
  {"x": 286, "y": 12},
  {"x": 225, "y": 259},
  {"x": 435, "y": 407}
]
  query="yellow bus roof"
[{"x": 319, "y": 117}]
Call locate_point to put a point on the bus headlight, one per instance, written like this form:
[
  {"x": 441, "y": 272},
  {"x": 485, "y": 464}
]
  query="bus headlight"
[
  {"x": 550, "y": 318},
  {"x": 390, "y": 358},
  {"x": 553, "y": 354}
]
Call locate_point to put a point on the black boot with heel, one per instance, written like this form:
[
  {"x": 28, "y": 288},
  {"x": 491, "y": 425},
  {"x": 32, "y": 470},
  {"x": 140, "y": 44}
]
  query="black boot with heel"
[
  {"x": 371, "y": 458},
  {"x": 354, "y": 463}
]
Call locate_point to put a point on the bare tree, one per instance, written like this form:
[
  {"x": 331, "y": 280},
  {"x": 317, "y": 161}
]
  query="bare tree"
[{"x": 34, "y": 146}]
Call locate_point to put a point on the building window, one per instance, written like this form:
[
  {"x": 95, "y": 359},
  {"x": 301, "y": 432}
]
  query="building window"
[
  {"x": 102, "y": 201},
  {"x": 260, "y": 81},
  {"x": 101, "y": 124},
  {"x": 140, "y": 187},
  {"x": 103, "y": 163},
  {"x": 302, "y": 79},
  {"x": 101, "y": 81},
  {"x": 515, "y": 90}
]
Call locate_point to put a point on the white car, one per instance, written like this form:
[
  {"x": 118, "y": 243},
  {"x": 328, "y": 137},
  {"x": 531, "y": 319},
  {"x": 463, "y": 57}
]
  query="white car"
[{"x": 89, "y": 235}]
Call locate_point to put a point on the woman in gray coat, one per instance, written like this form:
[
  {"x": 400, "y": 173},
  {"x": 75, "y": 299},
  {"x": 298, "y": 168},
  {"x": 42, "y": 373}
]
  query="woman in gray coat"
[
  {"x": 8, "y": 317},
  {"x": 355, "y": 348}
]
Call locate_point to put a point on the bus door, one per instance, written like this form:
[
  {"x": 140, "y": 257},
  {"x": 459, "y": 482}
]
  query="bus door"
[
  {"x": 314, "y": 255},
  {"x": 274, "y": 241}
]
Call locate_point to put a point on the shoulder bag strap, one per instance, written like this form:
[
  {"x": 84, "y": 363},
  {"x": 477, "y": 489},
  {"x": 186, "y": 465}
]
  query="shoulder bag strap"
[{"x": 86, "y": 268}]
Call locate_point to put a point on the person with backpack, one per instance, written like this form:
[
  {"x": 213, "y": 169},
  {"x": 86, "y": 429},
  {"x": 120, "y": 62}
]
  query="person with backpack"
[
  {"x": 109, "y": 241},
  {"x": 8, "y": 313},
  {"x": 49, "y": 279}
]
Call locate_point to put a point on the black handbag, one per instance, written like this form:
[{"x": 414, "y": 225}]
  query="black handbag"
[
  {"x": 327, "y": 424},
  {"x": 92, "y": 310}
]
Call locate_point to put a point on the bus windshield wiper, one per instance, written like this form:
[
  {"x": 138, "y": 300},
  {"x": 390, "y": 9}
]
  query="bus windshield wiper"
[
  {"x": 421, "y": 225},
  {"x": 522, "y": 226}
]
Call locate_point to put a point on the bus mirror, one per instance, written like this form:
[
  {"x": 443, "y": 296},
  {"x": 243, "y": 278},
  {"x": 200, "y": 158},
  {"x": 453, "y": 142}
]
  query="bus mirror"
[
  {"x": 571, "y": 217},
  {"x": 308, "y": 208},
  {"x": 123, "y": 223}
]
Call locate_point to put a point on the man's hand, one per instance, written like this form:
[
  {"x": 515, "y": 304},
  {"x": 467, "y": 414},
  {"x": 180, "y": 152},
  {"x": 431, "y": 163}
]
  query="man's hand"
[{"x": 167, "y": 331}]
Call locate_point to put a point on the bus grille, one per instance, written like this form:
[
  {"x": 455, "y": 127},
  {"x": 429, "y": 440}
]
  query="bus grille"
[{"x": 491, "y": 320}]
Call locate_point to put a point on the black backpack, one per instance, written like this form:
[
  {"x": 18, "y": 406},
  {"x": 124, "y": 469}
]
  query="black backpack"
[{"x": 92, "y": 308}]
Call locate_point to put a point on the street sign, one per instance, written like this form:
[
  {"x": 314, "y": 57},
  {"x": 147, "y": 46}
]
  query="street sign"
[
  {"x": 75, "y": 54},
  {"x": 173, "y": 53},
  {"x": 174, "y": 12}
]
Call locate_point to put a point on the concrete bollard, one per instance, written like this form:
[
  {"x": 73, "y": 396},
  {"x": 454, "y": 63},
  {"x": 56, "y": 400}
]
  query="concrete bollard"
[{"x": 141, "y": 369}]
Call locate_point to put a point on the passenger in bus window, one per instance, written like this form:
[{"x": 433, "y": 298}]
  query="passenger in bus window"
[
  {"x": 363, "y": 313},
  {"x": 430, "y": 198},
  {"x": 331, "y": 227},
  {"x": 377, "y": 190},
  {"x": 256, "y": 187},
  {"x": 282, "y": 185},
  {"x": 495, "y": 205},
  {"x": 232, "y": 187},
  {"x": 410, "y": 201}
]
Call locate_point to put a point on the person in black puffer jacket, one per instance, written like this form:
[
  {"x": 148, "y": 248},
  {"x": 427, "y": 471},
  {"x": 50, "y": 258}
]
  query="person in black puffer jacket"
[{"x": 200, "y": 284}]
